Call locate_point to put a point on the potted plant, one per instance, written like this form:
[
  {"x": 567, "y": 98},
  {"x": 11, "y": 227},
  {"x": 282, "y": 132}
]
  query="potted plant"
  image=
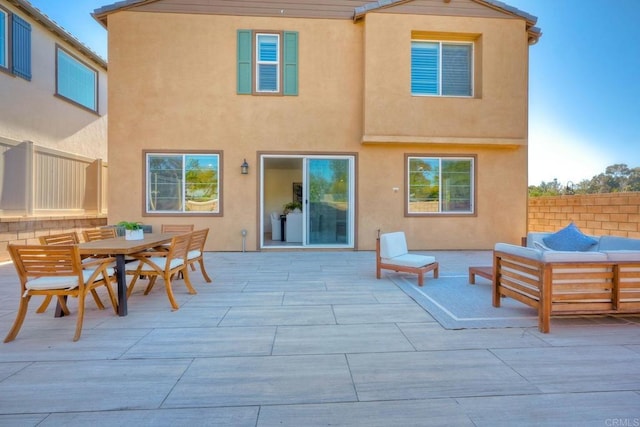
[
  {"x": 292, "y": 206},
  {"x": 132, "y": 230}
]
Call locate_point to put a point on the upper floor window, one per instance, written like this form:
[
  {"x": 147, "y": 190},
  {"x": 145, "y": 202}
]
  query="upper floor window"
[
  {"x": 441, "y": 68},
  {"x": 183, "y": 183},
  {"x": 76, "y": 81},
  {"x": 440, "y": 185},
  {"x": 15, "y": 45},
  {"x": 267, "y": 62}
]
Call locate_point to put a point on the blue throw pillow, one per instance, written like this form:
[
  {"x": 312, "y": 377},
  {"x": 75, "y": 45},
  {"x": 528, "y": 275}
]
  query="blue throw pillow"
[{"x": 569, "y": 238}]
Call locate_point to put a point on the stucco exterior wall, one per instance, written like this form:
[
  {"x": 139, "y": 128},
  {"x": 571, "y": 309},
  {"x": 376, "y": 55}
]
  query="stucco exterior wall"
[
  {"x": 29, "y": 110},
  {"x": 496, "y": 114},
  {"x": 173, "y": 86}
]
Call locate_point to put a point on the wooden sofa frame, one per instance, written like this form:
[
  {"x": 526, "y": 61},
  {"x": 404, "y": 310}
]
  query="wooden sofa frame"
[
  {"x": 567, "y": 288},
  {"x": 420, "y": 271}
]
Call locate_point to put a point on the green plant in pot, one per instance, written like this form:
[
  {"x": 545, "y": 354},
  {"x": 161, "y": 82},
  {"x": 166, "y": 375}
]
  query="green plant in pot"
[
  {"x": 132, "y": 230},
  {"x": 291, "y": 206}
]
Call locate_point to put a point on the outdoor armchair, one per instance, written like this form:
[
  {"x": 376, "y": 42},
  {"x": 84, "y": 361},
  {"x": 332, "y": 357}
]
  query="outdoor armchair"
[
  {"x": 69, "y": 238},
  {"x": 100, "y": 234},
  {"x": 196, "y": 251},
  {"x": 176, "y": 228},
  {"x": 165, "y": 264},
  {"x": 392, "y": 254},
  {"x": 57, "y": 270}
]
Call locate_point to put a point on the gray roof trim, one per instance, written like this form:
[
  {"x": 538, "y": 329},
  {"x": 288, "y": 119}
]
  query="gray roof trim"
[
  {"x": 381, "y": 4},
  {"x": 534, "y": 32},
  {"x": 35, "y": 14},
  {"x": 361, "y": 10},
  {"x": 101, "y": 13}
]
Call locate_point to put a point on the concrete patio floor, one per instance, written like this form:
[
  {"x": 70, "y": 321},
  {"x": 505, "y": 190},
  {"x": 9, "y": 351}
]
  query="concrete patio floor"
[{"x": 309, "y": 339}]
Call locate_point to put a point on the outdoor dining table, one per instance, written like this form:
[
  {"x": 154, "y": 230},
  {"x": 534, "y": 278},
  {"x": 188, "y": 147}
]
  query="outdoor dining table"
[{"x": 120, "y": 248}]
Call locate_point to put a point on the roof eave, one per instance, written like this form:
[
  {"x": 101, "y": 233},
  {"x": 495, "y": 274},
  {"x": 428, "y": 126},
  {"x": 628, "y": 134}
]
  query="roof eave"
[
  {"x": 63, "y": 34},
  {"x": 103, "y": 12}
]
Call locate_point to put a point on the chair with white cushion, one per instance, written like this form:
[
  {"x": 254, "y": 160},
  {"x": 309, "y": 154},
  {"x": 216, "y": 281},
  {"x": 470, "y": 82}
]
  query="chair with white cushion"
[
  {"x": 392, "y": 254},
  {"x": 195, "y": 252},
  {"x": 56, "y": 270},
  {"x": 164, "y": 264}
]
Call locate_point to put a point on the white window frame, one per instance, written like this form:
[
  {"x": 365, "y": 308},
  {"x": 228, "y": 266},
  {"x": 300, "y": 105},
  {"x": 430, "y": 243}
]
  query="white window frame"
[
  {"x": 440, "y": 202},
  {"x": 150, "y": 184},
  {"x": 277, "y": 62},
  {"x": 471, "y": 67}
]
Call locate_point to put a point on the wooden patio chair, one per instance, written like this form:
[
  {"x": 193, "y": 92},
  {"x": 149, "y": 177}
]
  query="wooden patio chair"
[
  {"x": 165, "y": 264},
  {"x": 392, "y": 254},
  {"x": 57, "y": 270},
  {"x": 176, "y": 228},
  {"x": 196, "y": 251},
  {"x": 99, "y": 234},
  {"x": 69, "y": 238}
]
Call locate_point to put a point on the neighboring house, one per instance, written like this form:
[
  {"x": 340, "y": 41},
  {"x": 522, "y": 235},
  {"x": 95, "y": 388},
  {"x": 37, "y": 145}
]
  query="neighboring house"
[
  {"x": 391, "y": 115},
  {"x": 53, "y": 118}
]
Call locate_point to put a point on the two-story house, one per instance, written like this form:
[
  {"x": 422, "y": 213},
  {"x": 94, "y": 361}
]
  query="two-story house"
[
  {"x": 391, "y": 115},
  {"x": 53, "y": 127}
]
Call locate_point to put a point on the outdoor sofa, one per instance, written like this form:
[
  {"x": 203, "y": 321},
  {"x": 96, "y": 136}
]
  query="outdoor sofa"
[{"x": 588, "y": 275}]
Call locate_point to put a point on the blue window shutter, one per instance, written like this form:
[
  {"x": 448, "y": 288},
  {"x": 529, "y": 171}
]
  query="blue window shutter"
[
  {"x": 456, "y": 69},
  {"x": 21, "y": 48},
  {"x": 3, "y": 39},
  {"x": 290, "y": 62},
  {"x": 244, "y": 62},
  {"x": 424, "y": 68}
]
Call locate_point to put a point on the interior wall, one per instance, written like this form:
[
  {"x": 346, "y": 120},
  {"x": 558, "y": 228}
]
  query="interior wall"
[{"x": 278, "y": 190}]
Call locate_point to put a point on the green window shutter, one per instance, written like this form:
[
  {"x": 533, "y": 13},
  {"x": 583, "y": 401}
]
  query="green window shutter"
[
  {"x": 290, "y": 63},
  {"x": 244, "y": 62}
]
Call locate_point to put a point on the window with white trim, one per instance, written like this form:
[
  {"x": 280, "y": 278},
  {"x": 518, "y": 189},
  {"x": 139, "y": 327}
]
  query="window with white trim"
[
  {"x": 441, "y": 68},
  {"x": 75, "y": 81},
  {"x": 183, "y": 183},
  {"x": 440, "y": 185},
  {"x": 267, "y": 63}
]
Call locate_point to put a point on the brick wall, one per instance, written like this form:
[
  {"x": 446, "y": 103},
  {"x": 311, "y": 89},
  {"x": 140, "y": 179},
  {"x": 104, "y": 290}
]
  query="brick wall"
[
  {"x": 616, "y": 214},
  {"x": 28, "y": 230}
]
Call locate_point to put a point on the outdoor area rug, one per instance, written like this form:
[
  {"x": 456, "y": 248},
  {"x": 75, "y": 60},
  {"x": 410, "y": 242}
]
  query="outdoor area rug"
[{"x": 456, "y": 304}]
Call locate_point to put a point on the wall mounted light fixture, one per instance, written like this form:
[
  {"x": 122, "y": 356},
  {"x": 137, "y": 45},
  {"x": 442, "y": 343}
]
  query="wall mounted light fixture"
[{"x": 244, "y": 167}]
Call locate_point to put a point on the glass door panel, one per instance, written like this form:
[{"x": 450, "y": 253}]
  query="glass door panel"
[{"x": 328, "y": 200}]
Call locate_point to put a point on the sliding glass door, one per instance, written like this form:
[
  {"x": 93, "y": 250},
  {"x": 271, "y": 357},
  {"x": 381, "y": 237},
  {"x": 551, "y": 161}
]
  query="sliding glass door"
[{"x": 329, "y": 200}]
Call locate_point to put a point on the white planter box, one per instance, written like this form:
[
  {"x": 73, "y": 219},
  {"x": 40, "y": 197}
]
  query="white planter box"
[{"x": 134, "y": 234}]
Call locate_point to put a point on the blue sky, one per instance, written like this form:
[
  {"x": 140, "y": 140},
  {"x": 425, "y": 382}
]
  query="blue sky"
[{"x": 584, "y": 105}]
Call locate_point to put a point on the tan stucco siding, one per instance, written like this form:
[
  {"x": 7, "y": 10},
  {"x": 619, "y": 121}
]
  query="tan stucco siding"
[
  {"x": 500, "y": 203},
  {"x": 498, "y": 109},
  {"x": 173, "y": 86}
]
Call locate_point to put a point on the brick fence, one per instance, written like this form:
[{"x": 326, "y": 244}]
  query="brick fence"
[
  {"x": 616, "y": 214},
  {"x": 28, "y": 230}
]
